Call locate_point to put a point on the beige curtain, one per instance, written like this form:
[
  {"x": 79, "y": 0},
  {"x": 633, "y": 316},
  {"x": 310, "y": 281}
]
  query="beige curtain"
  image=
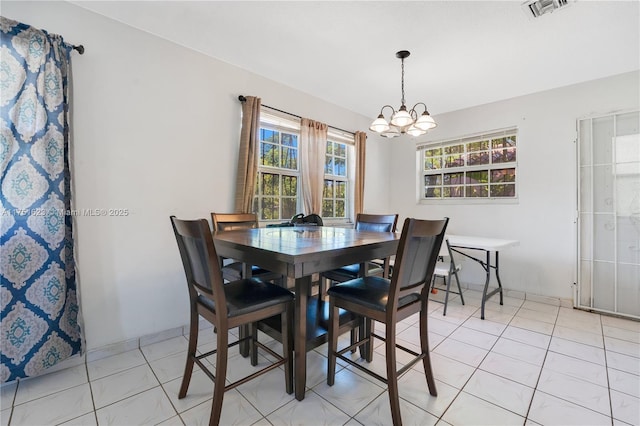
[
  {"x": 361, "y": 142},
  {"x": 247, "y": 156},
  {"x": 313, "y": 147}
]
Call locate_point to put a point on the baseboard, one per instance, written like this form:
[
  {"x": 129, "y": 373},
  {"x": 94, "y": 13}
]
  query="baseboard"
[{"x": 516, "y": 294}]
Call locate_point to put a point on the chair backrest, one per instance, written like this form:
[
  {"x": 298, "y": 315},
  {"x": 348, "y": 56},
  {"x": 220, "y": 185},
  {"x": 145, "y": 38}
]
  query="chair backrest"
[
  {"x": 233, "y": 221},
  {"x": 416, "y": 257},
  {"x": 376, "y": 222},
  {"x": 200, "y": 261}
]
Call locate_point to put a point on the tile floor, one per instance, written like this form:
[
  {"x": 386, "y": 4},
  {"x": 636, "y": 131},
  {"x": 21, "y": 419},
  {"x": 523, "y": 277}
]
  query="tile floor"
[{"x": 528, "y": 363}]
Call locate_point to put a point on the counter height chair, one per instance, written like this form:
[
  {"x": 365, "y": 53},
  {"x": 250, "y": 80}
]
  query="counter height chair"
[
  {"x": 233, "y": 271},
  {"x": 391, "y": 301},
  {"x": 364, "y": 222},
  {"x": 234, "y": 304}
]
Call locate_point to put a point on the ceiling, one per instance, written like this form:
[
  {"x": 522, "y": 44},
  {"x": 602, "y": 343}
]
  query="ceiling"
[{"x": 463, "y": 53}]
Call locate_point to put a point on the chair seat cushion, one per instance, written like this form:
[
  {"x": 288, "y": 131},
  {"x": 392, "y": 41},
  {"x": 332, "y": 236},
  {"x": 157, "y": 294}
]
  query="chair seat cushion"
[
  {"x": 371, "y": 292},
  {"x": 245, "y": 296},
  {"x": 233, "y": 272}
]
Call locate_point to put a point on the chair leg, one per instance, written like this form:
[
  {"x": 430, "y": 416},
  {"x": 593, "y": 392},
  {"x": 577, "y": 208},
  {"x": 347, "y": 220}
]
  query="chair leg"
[
  {"x": 354, "y": 336},
  {"x": 287, "y": 346},
  {"x": 424, "y": 346},
  {"x": 191, "y": 353},
  {"x": 459, "y": 288},
  {"x": 446, "y": 295},
  {"x": 221, "y": 374},
  {"x": 392, "y": 373},
  {"x": 253, "y": 348},
  {"x": 333, "y": 342}
]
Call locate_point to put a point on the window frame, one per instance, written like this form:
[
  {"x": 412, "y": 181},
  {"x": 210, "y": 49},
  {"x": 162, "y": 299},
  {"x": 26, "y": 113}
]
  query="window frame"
[
  {"x": 423, "y": 172},
  {"x": 262, "y": 169},
  {"x": 338, "y": 178}
]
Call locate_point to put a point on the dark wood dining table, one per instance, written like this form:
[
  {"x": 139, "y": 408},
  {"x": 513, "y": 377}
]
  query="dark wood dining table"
[{"x": 298, "y": 253}]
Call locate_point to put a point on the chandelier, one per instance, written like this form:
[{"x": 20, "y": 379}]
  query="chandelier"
[{"x": 403, "y": 121}]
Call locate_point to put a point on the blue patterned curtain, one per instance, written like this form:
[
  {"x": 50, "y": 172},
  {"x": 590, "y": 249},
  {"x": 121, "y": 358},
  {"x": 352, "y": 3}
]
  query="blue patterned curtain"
[{"x": 38, "y": 299}]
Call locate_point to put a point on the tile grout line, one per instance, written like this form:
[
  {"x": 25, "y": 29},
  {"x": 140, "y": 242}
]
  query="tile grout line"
[{"x": 546, "y": 353}]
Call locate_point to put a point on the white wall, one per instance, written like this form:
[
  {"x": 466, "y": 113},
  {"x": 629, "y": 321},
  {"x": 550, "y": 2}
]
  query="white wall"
[
  {"x": 156, "y": 130},
  {"x": 543, "y": 218}
]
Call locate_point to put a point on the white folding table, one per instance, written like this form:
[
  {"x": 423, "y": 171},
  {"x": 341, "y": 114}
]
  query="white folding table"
[{"x": 488, "y": 245}]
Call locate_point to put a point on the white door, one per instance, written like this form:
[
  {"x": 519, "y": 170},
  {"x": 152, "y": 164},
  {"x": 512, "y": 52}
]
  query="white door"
[{"x": 609, "y": 214}]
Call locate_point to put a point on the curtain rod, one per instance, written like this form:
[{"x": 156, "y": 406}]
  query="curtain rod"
[
  {"x": 79, "y": 48},
  {"x": 241, "y": 98}
]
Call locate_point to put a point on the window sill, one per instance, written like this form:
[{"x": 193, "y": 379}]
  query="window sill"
[{"x": 468, "y": 201}]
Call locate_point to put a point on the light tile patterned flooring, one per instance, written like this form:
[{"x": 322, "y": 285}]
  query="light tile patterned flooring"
[{"x": 528, "y": 363}]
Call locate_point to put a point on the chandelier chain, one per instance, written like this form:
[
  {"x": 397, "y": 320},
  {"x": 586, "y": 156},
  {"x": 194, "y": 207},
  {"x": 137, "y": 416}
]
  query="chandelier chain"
[{"x": 402, "y": 81}]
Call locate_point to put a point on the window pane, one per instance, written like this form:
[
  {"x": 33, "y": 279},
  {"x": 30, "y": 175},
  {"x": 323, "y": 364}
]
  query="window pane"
[
  {"x": 270, "y": 208},
  {"x": 340, "y": 210},
  {"x": 476, "y": 158},
  {"x": 341, "y": 189},
  {"x": 289, "y": 140},
  {"x": 453, "y": 178},
  {"x": 269, "y": 154},
  {"x": 503, "y": 175},
  {"x": 327, "y": 208},
  {"x": 290, "y": 185},
  {"x": 454, "y": 149},
  {"x": 433, "y": 152},
  {"x": 453, "y": 191},
  {"x": 255, "y": 208},
  {"x": 430, "y": 180},
  {"x": 328, "y": 189},
  {"x": 340, "y": 167},
  {"x": 339, "y": 150},
  {"x": 289, "y": 158},
  {"x": 505, "y": 142},
  {"x": 288, "y": 208},
  {"x": 503, "y": 155},
  {"x": 508, "y": 190},
  {"x": 478, "y": 146},
  {"x": 329, "y": 148},
  {"x": 456, "y": 160},
  {"x": 328, "y": 165},
  {"x": 433, "y": 163},
  {"x": 267, "y": 135},
  {"x": 477, "y": 191},
  {"x": 270, "y": 184},
  {"x": 432, "y": 192},
  {"x": 481, "y": 176}
]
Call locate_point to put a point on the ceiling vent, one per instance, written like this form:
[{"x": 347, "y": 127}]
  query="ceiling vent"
[{"x": 537, "y": 8}]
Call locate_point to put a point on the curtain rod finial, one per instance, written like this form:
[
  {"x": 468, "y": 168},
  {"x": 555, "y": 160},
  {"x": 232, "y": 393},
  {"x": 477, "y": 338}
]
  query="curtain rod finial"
[
  {"x": 79, "y": 48},
  {"x": 241, "y": 98}
]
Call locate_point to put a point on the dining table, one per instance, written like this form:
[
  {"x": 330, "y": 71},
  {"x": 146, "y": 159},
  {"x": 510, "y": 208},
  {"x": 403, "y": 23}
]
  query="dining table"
[{"x": 298, "y": 253}]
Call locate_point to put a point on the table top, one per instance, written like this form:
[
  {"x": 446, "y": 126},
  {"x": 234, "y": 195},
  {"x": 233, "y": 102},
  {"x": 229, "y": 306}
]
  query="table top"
[
  {"x": 480, "y": 243},
  {"x": 297, "y": 251}
]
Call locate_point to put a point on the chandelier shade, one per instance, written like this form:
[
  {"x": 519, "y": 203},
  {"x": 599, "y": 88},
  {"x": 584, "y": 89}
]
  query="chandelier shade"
[{"x": 403, "y": 121}]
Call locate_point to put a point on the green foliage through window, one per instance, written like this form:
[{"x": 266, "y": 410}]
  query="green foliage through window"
[{"x": 476, "y": 168}]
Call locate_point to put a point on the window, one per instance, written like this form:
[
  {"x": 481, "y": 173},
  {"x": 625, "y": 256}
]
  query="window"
[
  {"x": 476, "y": 167},
  {"x": 334, "y": 197},
  {"x": 278, "y": 174},
  {"x": 278, "y": 194}
]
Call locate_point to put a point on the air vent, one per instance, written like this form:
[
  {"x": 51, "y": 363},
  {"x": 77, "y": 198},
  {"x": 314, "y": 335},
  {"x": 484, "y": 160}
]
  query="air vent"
[{"x": 537, "y": 8}]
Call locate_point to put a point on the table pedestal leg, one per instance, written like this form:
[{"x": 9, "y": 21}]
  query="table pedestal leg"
[{"x": 300, "y": 338}]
